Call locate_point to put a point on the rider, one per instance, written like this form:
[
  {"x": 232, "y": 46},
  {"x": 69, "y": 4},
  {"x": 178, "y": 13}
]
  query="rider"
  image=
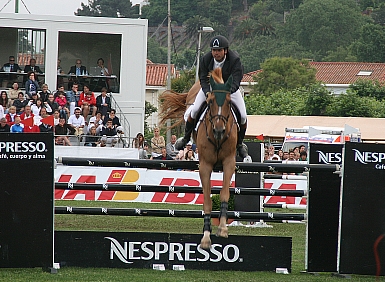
[{"x": 219, "y": 57}]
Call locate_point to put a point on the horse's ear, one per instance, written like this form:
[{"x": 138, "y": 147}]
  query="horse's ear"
[
  {"x": 212, "y": 81},
  {"x": 229, "y": 82}
]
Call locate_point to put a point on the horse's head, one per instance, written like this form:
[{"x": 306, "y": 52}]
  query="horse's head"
[{"x": 219, "y": 106}]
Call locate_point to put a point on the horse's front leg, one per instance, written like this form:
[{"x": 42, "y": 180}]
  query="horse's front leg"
[
  {"x": 205, "y": 173},
  {"x": 228, "y": 170}
]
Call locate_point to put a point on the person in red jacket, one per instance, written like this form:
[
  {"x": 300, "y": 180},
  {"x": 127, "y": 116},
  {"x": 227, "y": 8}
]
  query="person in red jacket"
[
  {"x": 87, "y": 102},
  {"x": 11, "y": 115}
]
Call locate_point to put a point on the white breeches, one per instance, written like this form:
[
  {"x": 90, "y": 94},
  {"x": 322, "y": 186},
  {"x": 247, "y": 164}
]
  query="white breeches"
[{"x": 236, "y": 99}]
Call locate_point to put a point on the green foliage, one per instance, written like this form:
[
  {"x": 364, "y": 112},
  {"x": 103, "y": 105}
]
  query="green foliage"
[
  {"x": 370, "y": 47},
  {"x": 341, "y": 54},
  {"x": 220, "y": 11},
  {"x": 107, "y": 8},
  {"x": 368, "y": 88},
  {"x": 217, "y": 202},
  {"x": 318, "y": 98},
  {"x": 283, "y": 73},
  {"x": 184, "y": 60},
  {"x": 156, "y": 53},
  {"x": 149, "y": 109},
  {"x": 184, "y": 82},
  {"x": 321, "y": 26},
  {"x": 352, "y": 105}
]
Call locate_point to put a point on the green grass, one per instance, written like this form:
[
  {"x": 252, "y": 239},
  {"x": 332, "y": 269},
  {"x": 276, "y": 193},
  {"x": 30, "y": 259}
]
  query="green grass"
[{"x": 173, "y": 225}]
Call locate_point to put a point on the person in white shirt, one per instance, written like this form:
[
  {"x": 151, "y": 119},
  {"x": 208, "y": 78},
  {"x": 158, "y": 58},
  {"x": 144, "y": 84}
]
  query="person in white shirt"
[{"x": 77, "y": 122}]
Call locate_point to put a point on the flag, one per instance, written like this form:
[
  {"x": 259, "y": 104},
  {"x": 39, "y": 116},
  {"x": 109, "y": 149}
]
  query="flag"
[
  {"x": 27, "y": 122},
  {"x": 260, "y": 137},
  {"x": 49, "y": 120}
]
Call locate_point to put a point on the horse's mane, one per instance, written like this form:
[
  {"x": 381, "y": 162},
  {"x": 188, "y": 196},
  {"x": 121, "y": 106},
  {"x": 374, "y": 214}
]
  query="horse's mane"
[{"x": 173, "y": 105}]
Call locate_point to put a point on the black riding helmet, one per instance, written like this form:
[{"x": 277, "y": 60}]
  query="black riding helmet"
[{"x": 219, "y": 42}]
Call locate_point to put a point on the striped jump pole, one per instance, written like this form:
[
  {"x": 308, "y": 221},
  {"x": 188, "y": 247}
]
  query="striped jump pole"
[
  {"x": 240, "y": 167},
  {"x": 239, "y": 215},
  {"x": 176, "y": 189}
]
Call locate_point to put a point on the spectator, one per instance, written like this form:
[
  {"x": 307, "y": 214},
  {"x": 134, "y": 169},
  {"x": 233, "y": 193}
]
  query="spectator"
[
  {"x": 103, "y": 69},
  {"x": 1, "y": 112},
  {"x": 60, "y": 87},
  {"x": 62, "y": 102},
  {"x": 31, "y": 84},
  {"x": 291, "y": 156},
  {"x": 56, "y": 117},
  {"x": 45, "y": 127},
  {"x": 77, "y": 122},
  {"x": 92, "y": 139},
  {"x": 73, "y": 98},
  {"x": 59, "y": 68},
  {"x": 189, "y": 155},
  {"x": 138, "y": 141},
  {"x": 17, "y": 127},
  {"x": 10, "y": 116},
  {"x": 303, "y": 156},
  {"x": 38, "y": 106},
  {"x": 157, "y": 142},
  {"x": 302, "y": 148},
  {"x": 170, "y": 147},
  {"x": 5, "y": 101},
  {"x": 20, "y": 103},
  {"x": 115, "y": 120},
  {"x": 4, "y": 126},
  {"x": 280, "y": 154},
  {"x": 51, "y": 105},
  {"x": 143, "y": 152},
  {"x": 103, "y": 103},
  {"x": 11, "y": 66},
  {"x": 43, "y": 94},
  {"x": 32, "y": 67},
  {"x": 13, "y": 93},
  {"x": 163, "y": 155},
  {"x": 285, "y": 155},
  {"x": 97, "y": 122},
  {"x": 78, "y": 68},
  {"x": 61, "y": 132},
  {"x": 33, "y": 99},
  {"x": 109, "y": 134},
  {"x": 87, "y": 102},
  {"x": 196, "y": 154},
  {"x": 27, "y": 113},
  {"x": 296, "y": 153},
  {"x": 272, "y": 154},
  {"x": 187, "y": 148}
]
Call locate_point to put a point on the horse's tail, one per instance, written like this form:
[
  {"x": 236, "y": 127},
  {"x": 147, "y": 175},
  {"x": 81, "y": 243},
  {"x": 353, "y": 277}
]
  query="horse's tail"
[{"x": 172, "y": 106}]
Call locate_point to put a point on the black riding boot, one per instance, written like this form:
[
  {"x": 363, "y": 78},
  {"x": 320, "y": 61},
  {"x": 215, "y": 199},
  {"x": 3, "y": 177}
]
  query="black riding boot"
[
  {"x": 241, "y": 148},
  {"x": 187, "y": 134}
]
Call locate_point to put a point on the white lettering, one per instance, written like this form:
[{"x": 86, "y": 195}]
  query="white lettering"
[
  {"x": 226, "y": 253},
  {"x": 158, "y": 249},
  {"x": 175, "y": 249},
  {"x": 132, "y": 250},
  {"x": 215, "y": 252},
  {"x": 147, "y": 250},
  {"x": 188, "y": 251}
]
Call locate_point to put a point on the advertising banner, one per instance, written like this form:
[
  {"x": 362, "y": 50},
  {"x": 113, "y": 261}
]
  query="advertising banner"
[
  {"x": 26, "y": 200},
  {"x": 323, "y": 209},
  {"x": 362, "y": 220},
  {"x": 102, "y": 175},
  {"x": 171, "y": 251}
]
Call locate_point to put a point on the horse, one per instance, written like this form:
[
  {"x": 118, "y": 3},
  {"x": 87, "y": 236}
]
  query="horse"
[{"x": 216, "y": 139}]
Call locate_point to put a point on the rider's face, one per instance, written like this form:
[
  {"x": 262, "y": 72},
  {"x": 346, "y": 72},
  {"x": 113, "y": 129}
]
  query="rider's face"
[{"x": 218, "y": 54}]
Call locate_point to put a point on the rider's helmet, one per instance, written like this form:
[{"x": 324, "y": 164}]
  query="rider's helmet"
[{"x": 219, "y": 42}]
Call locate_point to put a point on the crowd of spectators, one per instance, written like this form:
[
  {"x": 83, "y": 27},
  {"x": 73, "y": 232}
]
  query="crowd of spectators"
[{"x": 295, "y": 154}]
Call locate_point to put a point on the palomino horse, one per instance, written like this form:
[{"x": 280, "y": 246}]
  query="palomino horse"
[{"x": 216, "y": 139}]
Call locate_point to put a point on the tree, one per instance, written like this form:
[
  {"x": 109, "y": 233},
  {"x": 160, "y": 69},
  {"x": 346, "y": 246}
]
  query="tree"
[
  {"x": 107, "y": 8},
  {"x": 321, "y": 26},
  {"x": 368, "y": 88},
  {"x": 246, "y": 29},
  {"x": 370, "y": 47},
  {"x": 283, "y": 73},
  {"x": 156, "y": 53},
  {"x": 220, "y": 11}
]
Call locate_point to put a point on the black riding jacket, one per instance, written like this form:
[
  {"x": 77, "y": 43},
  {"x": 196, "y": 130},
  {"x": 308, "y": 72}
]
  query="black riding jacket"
[{"x": 232, "y": 66}]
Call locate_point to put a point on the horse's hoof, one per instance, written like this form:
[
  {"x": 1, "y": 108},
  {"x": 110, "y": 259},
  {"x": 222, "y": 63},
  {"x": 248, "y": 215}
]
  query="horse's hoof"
[
  {"x": 222, "y": 232},
  {"x": 205, "y": 244}
]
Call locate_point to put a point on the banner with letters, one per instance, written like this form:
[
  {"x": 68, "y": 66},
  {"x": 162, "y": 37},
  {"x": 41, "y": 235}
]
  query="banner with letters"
[{"x": 171, "y": 251}]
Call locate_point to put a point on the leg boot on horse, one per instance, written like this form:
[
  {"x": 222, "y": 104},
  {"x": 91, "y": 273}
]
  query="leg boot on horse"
[
  {"x": 206, "y": 241},
  {"x": 180, "y": 144},
  {"x": 241, "y": 148}
]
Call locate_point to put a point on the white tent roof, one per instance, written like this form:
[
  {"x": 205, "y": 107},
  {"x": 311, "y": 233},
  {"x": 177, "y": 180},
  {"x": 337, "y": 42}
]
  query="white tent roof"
[{"x": 372, "y": 129}]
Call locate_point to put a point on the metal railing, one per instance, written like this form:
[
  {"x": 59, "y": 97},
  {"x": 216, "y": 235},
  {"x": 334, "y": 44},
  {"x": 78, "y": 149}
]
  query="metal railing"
[{"x": 123, "y": 120}]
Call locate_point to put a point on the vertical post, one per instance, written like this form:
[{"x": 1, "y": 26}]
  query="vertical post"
[
  {"x": 16, "y": 6},
  {"x": 198, "y": 56},
  {"x": 168, "y": 137}
]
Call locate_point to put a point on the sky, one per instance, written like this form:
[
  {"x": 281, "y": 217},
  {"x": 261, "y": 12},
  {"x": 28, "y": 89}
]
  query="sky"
[{"x": 46, "y": 7}]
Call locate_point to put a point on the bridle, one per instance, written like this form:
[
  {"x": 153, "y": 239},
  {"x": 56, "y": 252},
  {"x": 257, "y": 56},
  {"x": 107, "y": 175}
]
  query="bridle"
[{"x": 214, "y": 118}]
